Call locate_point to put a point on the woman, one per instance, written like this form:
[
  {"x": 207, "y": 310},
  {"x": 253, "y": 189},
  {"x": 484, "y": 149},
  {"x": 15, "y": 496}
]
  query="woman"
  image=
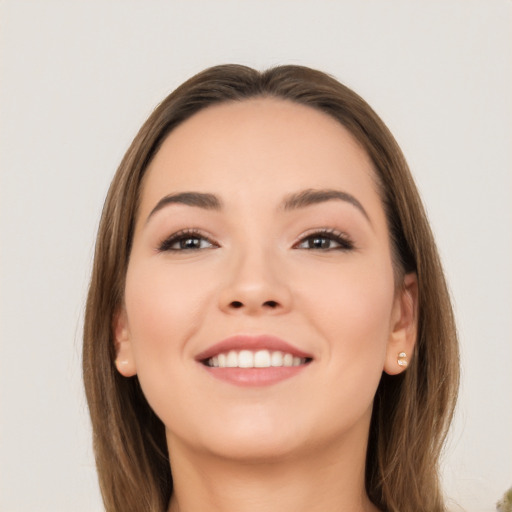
[{"x": 268, "y": 325}]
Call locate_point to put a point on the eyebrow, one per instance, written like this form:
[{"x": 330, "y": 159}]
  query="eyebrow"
[
  {"x": 293, "y": 201},
  {"x": 311, "y": 197},
  {"x": 198, "y": 199}
]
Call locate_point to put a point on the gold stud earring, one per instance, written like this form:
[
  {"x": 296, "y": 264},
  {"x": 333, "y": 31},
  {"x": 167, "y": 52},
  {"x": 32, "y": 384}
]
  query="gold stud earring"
[{"x": 402, "y": 359}]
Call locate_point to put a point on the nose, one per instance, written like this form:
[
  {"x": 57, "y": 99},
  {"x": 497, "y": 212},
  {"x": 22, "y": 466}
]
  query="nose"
[{"x": 256, "y": 284}]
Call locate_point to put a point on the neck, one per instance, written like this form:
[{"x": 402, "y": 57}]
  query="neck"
[{"x": 320, "y": 482}]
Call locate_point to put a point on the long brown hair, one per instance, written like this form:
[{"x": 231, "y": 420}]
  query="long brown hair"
[{"x": 412, "y": 411}]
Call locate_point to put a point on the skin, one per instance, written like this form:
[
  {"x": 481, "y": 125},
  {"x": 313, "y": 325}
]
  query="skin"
[{"x": 298, "y": 444}]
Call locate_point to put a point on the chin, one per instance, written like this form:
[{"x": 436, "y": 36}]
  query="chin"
[
  {"x": 248, "y": 439},
  {"x": 257, "y": 448}
]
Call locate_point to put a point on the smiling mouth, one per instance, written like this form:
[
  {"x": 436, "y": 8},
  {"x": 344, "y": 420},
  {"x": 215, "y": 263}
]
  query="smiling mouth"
[{"x": 255, "y": 359}]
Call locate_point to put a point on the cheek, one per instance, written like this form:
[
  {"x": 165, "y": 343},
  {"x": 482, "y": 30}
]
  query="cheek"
[
  {"x": 354, "y": 316},
  {"x": 352, "y": 309},
  {"x": 354, "y": 297},
  {"x": 163, "y": 309},
  {"x": 358, "y": 314}
]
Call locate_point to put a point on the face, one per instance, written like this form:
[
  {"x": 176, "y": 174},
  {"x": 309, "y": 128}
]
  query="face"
[{"x": 260, "y": 304}]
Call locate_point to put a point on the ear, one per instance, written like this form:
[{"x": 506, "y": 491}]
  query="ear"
[
  {"x": 125, "y": 361},
  {"x": 404, "y": 327}
]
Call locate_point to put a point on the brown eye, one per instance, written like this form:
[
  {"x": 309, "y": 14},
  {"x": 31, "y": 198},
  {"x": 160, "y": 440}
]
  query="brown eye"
[
  {"x": 186, "y": 241},
  {"x": 190, "y": 243},
  {"x": 326, "y": 241}
]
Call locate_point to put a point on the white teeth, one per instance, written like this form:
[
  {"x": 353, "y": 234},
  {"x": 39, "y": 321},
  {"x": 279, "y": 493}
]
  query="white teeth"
[
  {"x": 258, "y": 359},
  {"x": 262, "y": 359},
  {"x": 276, "y": 359},
  {"x": 232, "y": 359},
  {"x": 245, "y": 359}
]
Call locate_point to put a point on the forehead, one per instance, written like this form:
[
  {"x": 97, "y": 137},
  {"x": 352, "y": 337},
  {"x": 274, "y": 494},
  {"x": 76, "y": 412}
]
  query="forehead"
[{"x": 258, "y": 146}]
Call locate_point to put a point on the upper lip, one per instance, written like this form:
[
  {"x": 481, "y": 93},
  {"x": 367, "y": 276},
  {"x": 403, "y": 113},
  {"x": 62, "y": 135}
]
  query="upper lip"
[{"x": 251, "y": 342}]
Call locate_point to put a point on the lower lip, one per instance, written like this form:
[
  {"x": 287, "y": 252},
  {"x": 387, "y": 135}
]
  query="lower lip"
[{"x": 255, "y": 376}]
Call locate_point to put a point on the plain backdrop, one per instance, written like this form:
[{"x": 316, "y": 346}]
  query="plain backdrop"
[{"x": 77, "y": 79}]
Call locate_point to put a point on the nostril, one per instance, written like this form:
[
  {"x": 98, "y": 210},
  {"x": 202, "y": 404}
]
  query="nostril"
[
  {"x": 270, "y": 303},
  {"x": 236, "y": 304}
]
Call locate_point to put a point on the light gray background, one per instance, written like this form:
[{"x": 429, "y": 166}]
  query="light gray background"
[{"x": 77, "y": 80}]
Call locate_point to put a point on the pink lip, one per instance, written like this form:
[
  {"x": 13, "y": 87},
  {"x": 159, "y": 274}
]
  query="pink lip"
[
  {"x": 251, "y": 377},
  {"x": 248, "y": 342}
]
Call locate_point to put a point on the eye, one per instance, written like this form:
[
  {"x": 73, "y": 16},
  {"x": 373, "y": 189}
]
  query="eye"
[
  {"x": 326, "y": 240},
  {"x": 186, "y": 240}
]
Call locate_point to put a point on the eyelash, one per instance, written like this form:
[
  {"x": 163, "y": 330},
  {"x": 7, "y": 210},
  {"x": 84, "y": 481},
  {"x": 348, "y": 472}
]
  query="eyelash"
[
  {"x": 184, "y": 234},
  {"x": 342, "y": 239},
  {"x": 344, "y": 242}
]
